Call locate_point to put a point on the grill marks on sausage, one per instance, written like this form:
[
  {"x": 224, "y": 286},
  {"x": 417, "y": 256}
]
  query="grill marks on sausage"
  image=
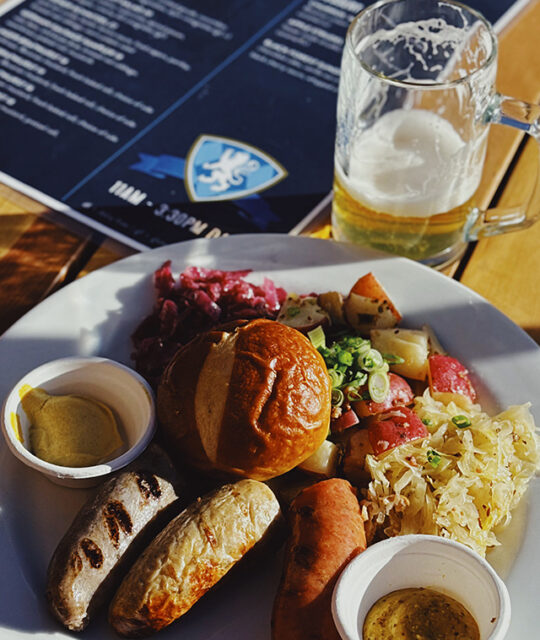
[
  {"x": 117, "y": 519},
  {"x": 93, "y": 553},
  {"x": 148, "y": 485},
  {"x": 116, "y": 516}
]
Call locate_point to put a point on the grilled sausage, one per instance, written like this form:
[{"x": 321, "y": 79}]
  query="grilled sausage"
[
  {"x": 191, "y": 555},
  {"x": 86, "y": 563},
  {"x": 327, "y": 532}
]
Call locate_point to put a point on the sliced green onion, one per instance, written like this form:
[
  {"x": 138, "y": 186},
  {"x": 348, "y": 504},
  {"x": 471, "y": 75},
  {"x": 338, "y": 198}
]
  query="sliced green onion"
[
  {"x": 378, "y": 385},
  {"x": 352, "y": 394},
  {"x": 363, "y": 347},
  {"x": 355, "y": 383},
  {"x": 360, "y": 378},
  {"x": 293, "y": 311},
  {"x": 372, "y": 360},
  {"x": 337, "y": 397},
  {"x": 325, "y": 352},
  {"x": 433, "y": 458},
  {"x": 351, "y": 364},
  {"x": 337, "y": 378},
  {"x": 317, "y": 337},
  {"x": 345, "y": 357},
  {"x": 461, "y": 421},
  {"x": 427, "y": 421},
  {"x": 391, "y": 358}
]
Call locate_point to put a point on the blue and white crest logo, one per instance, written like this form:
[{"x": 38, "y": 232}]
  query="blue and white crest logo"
[{"x": 225, "y": 169}]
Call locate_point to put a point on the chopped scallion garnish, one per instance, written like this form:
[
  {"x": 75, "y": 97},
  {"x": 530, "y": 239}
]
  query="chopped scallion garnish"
[
  {"x": 427, "y": 421},
  {"x": 351, "y": 363},
  {"x": 317, "y": 337},
  {"x": 461, "y": 421},
  {"x": 352, "y": 394},
  {"x": 433, "y": 458},
  {"x": 357, "y": 381},
  {"x": 337, "y": 397},
  {"x": 336, "y": 377},
  {"x": 362, "y": 348},
  {"x": 392, "y": 358},
  {"x": 345, "y": 357},
  {"x": 372, "y": 360},
  {"x": 378, "y": 385}
]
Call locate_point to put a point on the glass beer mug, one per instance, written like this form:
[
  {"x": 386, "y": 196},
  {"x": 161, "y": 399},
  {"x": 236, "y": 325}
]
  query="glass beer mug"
[{"x": 416, "y": 98}]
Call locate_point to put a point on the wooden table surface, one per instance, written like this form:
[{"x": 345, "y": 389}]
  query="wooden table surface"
[{"x": 40, "y": 251}]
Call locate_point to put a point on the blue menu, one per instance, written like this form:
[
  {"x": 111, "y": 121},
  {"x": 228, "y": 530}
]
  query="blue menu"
[{"x": 155, "y": 121}]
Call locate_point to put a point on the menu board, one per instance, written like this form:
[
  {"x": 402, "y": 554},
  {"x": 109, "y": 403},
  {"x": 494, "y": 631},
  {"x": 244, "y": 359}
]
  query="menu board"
[{"x": 155, "y": 121}]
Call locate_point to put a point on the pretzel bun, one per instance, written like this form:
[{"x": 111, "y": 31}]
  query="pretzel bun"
[{"x": 251, "y": 398}]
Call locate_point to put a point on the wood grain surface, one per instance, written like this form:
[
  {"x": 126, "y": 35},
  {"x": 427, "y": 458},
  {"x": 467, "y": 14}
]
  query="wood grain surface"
[
  {"x": 40, "y": 250},
  {"x": 506, "y": 269}
]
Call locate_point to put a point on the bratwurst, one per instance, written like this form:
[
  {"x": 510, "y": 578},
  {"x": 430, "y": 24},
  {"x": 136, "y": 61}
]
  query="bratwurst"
[
  {"x": 192, "y": 553},
  {"x": 327, "y": 531},
  {"x": 86, "y": 562}
]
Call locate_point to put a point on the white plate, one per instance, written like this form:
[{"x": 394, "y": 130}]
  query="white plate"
[{"x": 95, "y": 316}]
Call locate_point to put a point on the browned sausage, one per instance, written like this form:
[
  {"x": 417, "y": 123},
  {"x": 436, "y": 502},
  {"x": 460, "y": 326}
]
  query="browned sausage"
[
  {"x": 192, "y": 553},
  {"x": 87, "y": 561},
  {"x": 327, "y": 532}
]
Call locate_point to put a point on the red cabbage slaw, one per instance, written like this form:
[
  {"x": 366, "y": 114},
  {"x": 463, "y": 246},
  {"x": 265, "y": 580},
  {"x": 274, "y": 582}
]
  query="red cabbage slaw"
[{"x": 197, "y": 301}]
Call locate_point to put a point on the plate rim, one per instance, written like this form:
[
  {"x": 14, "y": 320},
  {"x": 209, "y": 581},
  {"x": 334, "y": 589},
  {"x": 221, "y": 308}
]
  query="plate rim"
[{"x": 178, "y": 254}]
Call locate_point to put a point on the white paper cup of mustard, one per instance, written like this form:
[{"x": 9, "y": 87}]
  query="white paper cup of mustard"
[
  {"x": 111, "y": 388},
  {"x": 421, "y": 561}
]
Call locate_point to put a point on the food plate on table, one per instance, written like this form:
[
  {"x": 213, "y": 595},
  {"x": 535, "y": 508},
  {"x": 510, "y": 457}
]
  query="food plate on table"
[{"x": 96, "y": 316}]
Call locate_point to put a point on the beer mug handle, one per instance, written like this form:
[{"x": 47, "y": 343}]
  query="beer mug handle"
[{"x": 490, "y": 222}]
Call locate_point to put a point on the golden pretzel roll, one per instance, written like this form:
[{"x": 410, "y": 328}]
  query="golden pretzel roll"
[{"x": 251, "y": 398}]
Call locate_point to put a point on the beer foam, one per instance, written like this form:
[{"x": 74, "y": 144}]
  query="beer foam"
[
  {"x": 435, "y": 45},
  {"x": 412, "y": 162}
]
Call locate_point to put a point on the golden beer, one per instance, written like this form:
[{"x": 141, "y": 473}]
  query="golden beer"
[
  {"x": 409, "y": 186},
  {"x": 418, "y": 238}
]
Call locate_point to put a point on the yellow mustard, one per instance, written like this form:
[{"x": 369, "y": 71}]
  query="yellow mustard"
[
  {"x": 419, "y": 614},
  {"x": 69, "y": 430}
]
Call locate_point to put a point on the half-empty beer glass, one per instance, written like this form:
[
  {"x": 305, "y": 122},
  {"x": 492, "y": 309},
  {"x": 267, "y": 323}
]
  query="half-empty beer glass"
[{"x": 416, "y": 98}]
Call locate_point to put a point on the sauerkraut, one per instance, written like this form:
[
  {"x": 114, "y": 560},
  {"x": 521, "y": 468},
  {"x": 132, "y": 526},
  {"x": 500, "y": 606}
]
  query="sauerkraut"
[{"x": 459, "y": 483}]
